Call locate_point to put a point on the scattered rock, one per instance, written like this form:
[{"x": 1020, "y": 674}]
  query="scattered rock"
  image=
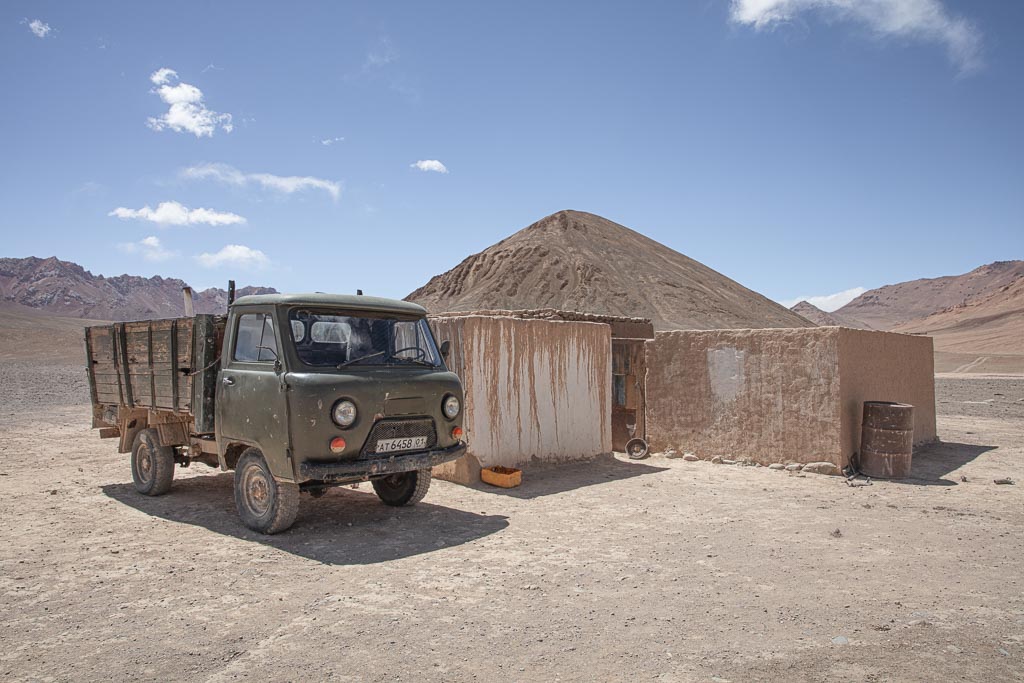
[
  {"x": 840, "y": 640},
  {"x": 963, "y": 478},
  {"x": 836, "y": 534},
  {"x": 690, "y": 457},
  {"x": 717, "y": 460},
  {"x": 1007, "y": 480},
  {"x": 776, "y": 466},
  {"x": 821, "y": 468},
  {"x": 672, "y": 453},
  {"x": 919, "y": 622},
  {"x": 793, "y": 467}
]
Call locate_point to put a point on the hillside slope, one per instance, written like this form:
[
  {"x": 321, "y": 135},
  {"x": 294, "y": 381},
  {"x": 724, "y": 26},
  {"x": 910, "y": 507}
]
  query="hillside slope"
[
  {"x": 887, "y": 307},
  {"x": 67, "y": 289},
  {"x": 577, "y": 261}
]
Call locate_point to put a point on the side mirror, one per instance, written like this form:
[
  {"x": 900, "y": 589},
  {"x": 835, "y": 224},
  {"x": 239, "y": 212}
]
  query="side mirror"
[{"x": 446, "y": 348}]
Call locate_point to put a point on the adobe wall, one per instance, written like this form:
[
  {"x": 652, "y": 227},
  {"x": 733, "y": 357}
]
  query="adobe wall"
[
  {"x": 769, "y": 395},
  {"x": 534, "y": 389},
  {"x": 885, "y": 366}
]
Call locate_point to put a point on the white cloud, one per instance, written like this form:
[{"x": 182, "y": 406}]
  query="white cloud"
[
  {"x": 150, "y": 248},
  {"x": 237, "y": 255},
  {"x": 827, "y": 302},
  {"x": 162, "y": 76},
  {"x": 174, "y": 213},
  {"x": 40, "y": 28},
  {"x": 925, "y": 20},
  {"x": 327, "y": 142},
  {"x": 186, "y": 111},
  {"x": 430, "y": 165},
  {"x": 287, "y": 184}
]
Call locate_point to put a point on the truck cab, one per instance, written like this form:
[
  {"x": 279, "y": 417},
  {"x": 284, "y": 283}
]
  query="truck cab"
[{"x": 294, "y": 392}]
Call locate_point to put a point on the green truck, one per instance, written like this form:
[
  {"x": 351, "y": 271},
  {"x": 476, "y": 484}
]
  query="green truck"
[{"x": 294, "y": 392}]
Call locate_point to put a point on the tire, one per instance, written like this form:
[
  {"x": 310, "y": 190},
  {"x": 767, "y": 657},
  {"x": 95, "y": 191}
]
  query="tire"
[
  {"x": 636, "y": 449},
  {"x": 152, "y": 464},
  {"x": 264, "y": 504},
  {"x": 406, "y": 488}
]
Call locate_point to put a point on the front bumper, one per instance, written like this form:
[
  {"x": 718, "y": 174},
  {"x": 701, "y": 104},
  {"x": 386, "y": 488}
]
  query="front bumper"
[{"x": 374, "y": 467}]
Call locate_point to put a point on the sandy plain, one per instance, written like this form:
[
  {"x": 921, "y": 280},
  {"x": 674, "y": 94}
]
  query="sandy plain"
[{"x": 612, "y": 570}]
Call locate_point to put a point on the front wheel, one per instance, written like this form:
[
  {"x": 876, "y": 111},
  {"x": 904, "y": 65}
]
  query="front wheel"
[
  {"x": 152, "y": 464},
  {"x": 264, "y": 504},
  {"x": 404, "y": 488}
]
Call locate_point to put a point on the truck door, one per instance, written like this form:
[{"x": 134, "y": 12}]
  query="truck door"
[{"x": 251, "y": 397}]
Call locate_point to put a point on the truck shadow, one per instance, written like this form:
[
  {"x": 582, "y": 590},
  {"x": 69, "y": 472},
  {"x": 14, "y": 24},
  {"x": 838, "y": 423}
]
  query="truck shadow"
[
  {"x": 344, "y": 527},
  {"x": 545, "y": 479},
  {"x": 933, "y": 462}
]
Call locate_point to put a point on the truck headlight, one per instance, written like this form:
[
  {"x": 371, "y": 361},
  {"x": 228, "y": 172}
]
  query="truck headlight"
[
  {"x": 344, "y": 413},
  {"x": 451, "y": 407}
]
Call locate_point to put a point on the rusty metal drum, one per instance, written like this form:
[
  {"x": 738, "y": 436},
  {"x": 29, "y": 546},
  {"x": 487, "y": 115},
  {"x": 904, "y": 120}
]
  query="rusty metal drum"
[{"x": 886, "y": 439}]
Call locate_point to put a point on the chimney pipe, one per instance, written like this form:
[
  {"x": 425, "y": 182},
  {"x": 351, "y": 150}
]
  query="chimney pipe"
[
  {"x": 189, "y": 309},
  {"x": 231, "y": 292},
  {"x": 359, "y": 292}
]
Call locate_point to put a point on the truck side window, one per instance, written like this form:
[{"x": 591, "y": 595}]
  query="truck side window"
[{"x": 255, "y": 342}]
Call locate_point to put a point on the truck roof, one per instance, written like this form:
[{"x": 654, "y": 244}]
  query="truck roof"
[{"x": 356, "y": 302}]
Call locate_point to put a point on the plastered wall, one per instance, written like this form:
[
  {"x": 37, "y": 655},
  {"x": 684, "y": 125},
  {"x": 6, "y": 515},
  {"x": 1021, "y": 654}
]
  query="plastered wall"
[
  {"x": 781, "y": 395},
  {"x": 882, "y": 366},
  {"x": 765, "y": 395},
  {"x": 534, "y": 389}
]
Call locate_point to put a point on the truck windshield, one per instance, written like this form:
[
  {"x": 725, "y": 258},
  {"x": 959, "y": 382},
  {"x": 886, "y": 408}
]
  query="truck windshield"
[{"x": 325, "y": 339}]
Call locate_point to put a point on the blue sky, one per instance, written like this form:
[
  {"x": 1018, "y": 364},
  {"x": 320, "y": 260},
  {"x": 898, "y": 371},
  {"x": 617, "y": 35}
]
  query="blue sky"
[{"x": 801, "y": 147}]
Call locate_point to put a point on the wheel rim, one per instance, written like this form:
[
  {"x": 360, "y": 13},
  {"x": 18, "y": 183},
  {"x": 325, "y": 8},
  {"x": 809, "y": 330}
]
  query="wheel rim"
[
  {"x": 144, "y": 464},
  {"x": 394, "y": 482},
  {"x": 256, "y": 490}
]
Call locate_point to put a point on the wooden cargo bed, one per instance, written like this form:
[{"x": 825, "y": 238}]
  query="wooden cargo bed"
[{"x": 163, "y": 365}]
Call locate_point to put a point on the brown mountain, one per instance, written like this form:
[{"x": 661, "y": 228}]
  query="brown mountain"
[
  {"x": 66, "y": 289},
  {"x": 577, "y": 261},
  {"x": 887, "y": 307},
  {"x": 822, "y": 318},
  {"x": 806, "y": 309},
  {"x": 985, "y": 334}
]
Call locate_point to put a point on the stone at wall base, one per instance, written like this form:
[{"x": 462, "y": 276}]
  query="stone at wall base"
[
  {"x": 793, "y": 467},
  {"x": 776, "y": 466},
  {"x": 821, "y": 468},
  {"x": 465, "y": 470},
  {"x": 690, "y": 457}
]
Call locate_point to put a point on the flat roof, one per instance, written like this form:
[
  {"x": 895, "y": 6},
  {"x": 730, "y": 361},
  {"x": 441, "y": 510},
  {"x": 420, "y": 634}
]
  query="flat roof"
[{"x": 356, "y": 302}]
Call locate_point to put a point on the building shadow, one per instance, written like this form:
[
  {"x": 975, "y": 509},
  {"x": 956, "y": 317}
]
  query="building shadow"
[
  {"x": 344, "y": 527},
  {"x": 933, "y": 462},
  {"x": 545, "y": 479}
]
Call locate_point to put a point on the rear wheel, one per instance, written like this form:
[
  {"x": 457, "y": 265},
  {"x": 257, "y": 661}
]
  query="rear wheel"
[
  {"x": 264, "y": 504},
  {"x": 404, "y": 488},
  {"x": 152, "y": 464}
]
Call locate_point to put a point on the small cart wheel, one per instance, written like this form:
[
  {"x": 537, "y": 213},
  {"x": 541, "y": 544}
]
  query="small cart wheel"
[
  {"x": 404, "y": 488},
  {"x": 264, "y": 504},
  {"x": 152, "y": 464},
  {"x": 636, "y": 449}
]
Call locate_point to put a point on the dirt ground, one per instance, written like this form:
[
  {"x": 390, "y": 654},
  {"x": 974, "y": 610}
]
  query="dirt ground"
[{"x": 616, "y": 570}]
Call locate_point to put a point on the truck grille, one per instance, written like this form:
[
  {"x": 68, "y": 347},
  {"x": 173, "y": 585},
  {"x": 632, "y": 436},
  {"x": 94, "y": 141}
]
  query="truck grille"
[{"x": 399, "y": 429}]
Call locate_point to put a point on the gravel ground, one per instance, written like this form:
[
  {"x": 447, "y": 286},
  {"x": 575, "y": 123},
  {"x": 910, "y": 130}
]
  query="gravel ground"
[
  {"x": 998, "y": 397},
  {"x": 658, "y": 570}
]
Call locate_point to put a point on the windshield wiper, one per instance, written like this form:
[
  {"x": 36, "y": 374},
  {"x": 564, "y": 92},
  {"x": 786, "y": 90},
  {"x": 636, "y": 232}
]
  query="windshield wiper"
[
  {"x": 417, "y": 361},
  {"x": 356, "y": 360}
]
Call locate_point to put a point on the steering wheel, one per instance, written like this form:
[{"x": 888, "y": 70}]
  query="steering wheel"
[{"x": 420, "y": 355}]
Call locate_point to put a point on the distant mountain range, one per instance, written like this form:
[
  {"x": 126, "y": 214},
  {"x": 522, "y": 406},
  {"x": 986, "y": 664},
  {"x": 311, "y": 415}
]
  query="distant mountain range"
[
  {"x": 66, "y": 289},
  {"x": 976, "y": 319}
]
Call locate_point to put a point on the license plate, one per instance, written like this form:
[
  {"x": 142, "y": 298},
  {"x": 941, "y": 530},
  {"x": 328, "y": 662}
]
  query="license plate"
[{"x": 409, "y": 443}]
